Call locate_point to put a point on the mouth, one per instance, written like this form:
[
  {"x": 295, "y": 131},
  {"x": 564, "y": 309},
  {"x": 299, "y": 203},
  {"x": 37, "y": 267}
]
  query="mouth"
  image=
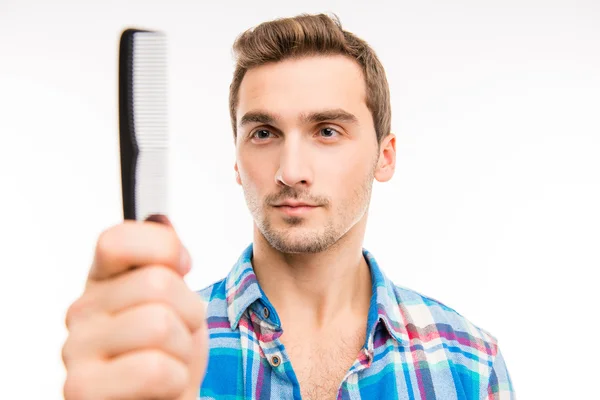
[{"x": 295, "y": 210}]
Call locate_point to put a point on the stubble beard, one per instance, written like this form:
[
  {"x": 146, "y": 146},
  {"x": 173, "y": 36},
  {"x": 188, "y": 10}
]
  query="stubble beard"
[{"x": 295, "y": 238}]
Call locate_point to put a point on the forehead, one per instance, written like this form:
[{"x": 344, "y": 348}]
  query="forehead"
[{"x": 295, "y": 86}]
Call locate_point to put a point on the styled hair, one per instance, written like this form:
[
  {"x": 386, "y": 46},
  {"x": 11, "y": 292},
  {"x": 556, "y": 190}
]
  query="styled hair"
[{"x": 311, "y": 35}]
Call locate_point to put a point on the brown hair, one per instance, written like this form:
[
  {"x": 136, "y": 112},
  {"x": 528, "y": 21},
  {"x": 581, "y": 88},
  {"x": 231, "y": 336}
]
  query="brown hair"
[{"x": 306, "y": 35}]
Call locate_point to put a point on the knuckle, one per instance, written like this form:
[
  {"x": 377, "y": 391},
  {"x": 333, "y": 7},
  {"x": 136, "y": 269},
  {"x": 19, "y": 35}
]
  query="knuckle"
[
  {"x": 168, "y": 240},
  {"x": 75, "y": 385},
  {"x": 72, "y": 390},
  {"x": 104, "y": 242},
  {"x": 158, "y": 281},
  {"x": 161, "y": 324},
  {"x": 75, "y": 311},
  {"x": 198, "y": 315},
  {"x": 155, "y": 367},
  {"x": 160, "y": 374},
  {"x": 172, "y": 246},
  {"x": 79, "y": 342},
  {"x": 109, "y": 240},
  {"x": 66, "y": 353},
  {"x": 202, "y": 313},
  {"x": 71, "y": 314}
]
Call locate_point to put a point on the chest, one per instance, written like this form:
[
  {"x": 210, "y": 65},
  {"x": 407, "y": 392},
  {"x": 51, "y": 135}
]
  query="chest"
[{"x": 320, "y": 364}]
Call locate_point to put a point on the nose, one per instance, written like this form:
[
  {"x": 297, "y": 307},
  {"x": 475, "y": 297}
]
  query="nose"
[{"x": 294, "y": 165}]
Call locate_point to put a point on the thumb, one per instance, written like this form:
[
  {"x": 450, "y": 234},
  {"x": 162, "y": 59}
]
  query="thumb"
[{"x": 186, "y": 259}]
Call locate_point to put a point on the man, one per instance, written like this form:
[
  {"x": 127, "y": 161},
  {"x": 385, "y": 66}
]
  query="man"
[{"x": 305, "y": 312}]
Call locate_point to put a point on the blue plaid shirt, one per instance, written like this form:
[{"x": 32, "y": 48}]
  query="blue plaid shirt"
[{"x": 416, "y": 347}]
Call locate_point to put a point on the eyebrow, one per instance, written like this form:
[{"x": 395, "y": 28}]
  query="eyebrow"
[{"x": 263, "y": 117}]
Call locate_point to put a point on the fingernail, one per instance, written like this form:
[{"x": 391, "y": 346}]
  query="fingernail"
[
  {"x": 161, "y": 219},
  {"x": 185, "y": 261}
]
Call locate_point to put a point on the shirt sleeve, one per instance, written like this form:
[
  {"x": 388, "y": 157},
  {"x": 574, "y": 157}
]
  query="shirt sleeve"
[{"x": 499, "y": 385}]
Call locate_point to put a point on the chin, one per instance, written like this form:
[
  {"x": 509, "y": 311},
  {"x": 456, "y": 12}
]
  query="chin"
[
  {"x": 297, "y": 247},
  {"x": 298, "y": 240}
]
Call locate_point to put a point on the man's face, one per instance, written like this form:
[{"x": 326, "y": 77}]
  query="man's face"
[{"x": 305, "y": 135}]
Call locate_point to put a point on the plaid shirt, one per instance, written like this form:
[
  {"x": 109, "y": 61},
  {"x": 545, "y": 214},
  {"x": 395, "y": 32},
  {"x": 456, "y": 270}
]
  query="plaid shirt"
[{"x": 416, "y": 347}]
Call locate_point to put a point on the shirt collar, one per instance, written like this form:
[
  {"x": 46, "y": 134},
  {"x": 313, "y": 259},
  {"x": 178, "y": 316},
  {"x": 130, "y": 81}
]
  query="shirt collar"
[
  {"x": 243, "y": 291},
  {"x": 384, "y": 305}
]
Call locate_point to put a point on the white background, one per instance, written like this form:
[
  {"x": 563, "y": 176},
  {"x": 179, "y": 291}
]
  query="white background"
[{"x": 494, "y": 208}]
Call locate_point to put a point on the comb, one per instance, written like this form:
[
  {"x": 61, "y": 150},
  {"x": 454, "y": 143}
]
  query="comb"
[{"x": 143, "y": 132}]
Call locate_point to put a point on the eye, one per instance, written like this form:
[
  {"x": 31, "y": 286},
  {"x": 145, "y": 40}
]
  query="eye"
[
  {"x": 261, "y": 134},
  {"x": 328, "y": 132}
]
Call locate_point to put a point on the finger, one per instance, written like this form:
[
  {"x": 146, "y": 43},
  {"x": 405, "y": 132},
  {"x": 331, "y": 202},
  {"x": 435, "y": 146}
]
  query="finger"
[
  {"x": 150, "y": 284},
  {"x": 151, "y": 325},
  {"x": 198, "y": 362},
  {"x": 148, "y": 326},
  {"x": 149, "y": 374},
  {"x": 132, "y": 244},
  {"x": 186, "y": 261},
  {"x": 77, "y": 346}
]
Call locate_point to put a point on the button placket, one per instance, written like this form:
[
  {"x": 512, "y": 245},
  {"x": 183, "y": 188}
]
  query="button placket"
[{"x": 261, "y": 316}]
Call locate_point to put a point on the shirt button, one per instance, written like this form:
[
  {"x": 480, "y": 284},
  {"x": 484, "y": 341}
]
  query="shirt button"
[
  {"x": 266, "y": 312},
  {"x": 275, "y": 361}
]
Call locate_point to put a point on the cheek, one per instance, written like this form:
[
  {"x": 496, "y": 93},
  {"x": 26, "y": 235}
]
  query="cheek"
[
  {"x": 346, "y": 171},
  {"x": 255, "y": 176},
  {"x": 342, "y": 183}
]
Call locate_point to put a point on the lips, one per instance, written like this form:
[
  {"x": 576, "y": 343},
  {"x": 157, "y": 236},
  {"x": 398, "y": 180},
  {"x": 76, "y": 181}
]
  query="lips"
[
  {"x": 292, "y": 204},
  {"x": 295, "y": 208}
]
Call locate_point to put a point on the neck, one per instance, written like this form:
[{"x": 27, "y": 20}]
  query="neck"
[{"x": 315, "y": 290}]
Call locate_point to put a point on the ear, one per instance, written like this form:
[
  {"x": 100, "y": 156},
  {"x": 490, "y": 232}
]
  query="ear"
[
  {"x": 237, "y": 174},
  {"x": 387, "y": 159}
]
